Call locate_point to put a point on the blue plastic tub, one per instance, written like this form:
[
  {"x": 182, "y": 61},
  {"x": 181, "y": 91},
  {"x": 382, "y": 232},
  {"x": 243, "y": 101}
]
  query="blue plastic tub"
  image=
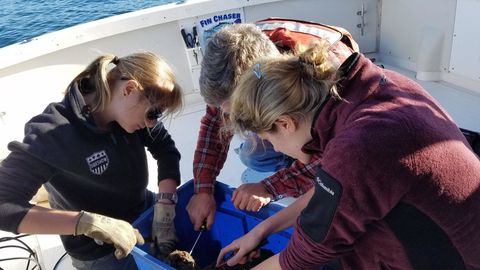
[{"x": 229, "y": 225}]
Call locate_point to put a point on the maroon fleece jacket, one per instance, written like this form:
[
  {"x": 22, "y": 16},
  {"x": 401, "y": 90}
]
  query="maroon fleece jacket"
[{"x": 399, "y": 185}]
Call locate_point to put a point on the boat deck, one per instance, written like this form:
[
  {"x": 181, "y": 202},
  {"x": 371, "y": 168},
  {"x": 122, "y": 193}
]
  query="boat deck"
[{"x": 461, "y": 104}]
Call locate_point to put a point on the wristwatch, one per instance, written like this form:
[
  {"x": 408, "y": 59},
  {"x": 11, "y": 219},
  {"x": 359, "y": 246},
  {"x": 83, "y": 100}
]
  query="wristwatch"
[{"x": 170, "y": 196}]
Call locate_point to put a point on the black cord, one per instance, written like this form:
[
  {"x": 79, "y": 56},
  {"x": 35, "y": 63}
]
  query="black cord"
[
  {"x": 15, "y": 247},
  {"x": 26, "y": 248},
  {"x": 59, "y": 260},
  {"x": 23, "y": 258},
  {"x": 29, "y": 250},
  {"x": 4, "y": 239},
  {"x": 28, "y": 264}
]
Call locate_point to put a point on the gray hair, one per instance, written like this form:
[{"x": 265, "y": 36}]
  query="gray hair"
[{"x": 228, "y": 54}]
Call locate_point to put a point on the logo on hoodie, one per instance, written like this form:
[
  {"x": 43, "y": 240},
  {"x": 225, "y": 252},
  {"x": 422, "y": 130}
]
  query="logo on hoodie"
[
  {"x": 98, "y": 162},
  {"x": 327, "y": 189}
]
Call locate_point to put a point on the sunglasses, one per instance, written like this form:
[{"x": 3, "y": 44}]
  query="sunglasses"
[{"x": 154, "y": 114}]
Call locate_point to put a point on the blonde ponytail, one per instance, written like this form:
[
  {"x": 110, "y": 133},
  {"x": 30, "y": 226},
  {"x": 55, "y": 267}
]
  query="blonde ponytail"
[
  {"x": 289, "y": 85},
  {"x": 314, "y": 60},
  {"x": 94, "y": 80}
]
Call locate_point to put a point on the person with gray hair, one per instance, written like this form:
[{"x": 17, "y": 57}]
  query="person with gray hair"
[{"x": 231, "y": 51}]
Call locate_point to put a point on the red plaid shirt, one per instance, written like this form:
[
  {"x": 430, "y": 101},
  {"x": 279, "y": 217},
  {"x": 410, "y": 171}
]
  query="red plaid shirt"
[{"x": 211, "y": 153}]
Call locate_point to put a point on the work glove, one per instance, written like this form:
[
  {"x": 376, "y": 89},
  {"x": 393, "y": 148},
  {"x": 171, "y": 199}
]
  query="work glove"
[
  {"x": 163, "y": 230},
  {"x": 109, "y": 230}
]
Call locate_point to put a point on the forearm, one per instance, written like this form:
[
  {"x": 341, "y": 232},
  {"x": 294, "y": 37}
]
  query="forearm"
[
  {"x": 40, "y": 220},
  {"x": 280, "y": 221},
  {"x": 284, "y": 219},
  {"x": 272, "y": 263},
  {"x": 167, "y": 186}
]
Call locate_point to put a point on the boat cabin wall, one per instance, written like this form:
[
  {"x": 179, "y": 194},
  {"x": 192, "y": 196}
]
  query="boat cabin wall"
[{"x": 436, "y": 39}]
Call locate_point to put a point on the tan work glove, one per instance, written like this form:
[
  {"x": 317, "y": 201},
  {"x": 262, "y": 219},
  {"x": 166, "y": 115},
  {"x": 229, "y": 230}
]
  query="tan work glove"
[
  {"x": 109, "y": 230},
  {"x": 163, "y": 229}
]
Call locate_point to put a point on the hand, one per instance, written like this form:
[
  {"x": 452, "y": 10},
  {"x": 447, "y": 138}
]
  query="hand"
[
  {"x": 244, "y": 249},
  {"x": 200, "y": 207},
  {"x": 109, "y": 230},
  {"x": 163, "y": 229},
  {"x": 251, "y": 197}
]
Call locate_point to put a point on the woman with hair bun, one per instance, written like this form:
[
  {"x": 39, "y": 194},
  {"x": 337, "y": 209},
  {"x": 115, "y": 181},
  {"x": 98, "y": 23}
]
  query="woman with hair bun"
[
  {"x": 89, "y": 152},
  {"x": 398, "y": 184}
]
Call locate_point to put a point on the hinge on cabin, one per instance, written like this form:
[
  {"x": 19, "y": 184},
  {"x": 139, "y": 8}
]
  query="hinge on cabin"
[
  {"x": 361, "y": 13},
  {"x": 2, "y": 114}
]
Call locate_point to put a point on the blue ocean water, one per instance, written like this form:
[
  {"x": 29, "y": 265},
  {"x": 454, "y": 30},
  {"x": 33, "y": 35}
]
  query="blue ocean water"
[{"x": 25, "y": 19}]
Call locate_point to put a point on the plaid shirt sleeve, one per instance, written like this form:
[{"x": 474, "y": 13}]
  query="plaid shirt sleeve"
[
  {"x": 211, "y": 152},
  {"x": 294, "y": 181}
]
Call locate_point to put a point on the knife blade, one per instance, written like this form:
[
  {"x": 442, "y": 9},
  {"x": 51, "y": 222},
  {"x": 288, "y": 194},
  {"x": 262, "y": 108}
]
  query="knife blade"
[
  {"x": 202, "y": 229},
  {"x": 195, "y": 36},
  {"x": 196, "y": 40}
]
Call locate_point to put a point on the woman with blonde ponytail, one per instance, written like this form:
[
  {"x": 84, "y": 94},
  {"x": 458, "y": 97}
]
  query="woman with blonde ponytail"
[
  {"x": 88, "y": 150},
  {"x": 396, "y": 180}
]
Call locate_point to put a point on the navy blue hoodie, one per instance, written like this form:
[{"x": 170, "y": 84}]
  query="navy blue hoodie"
[{"x": 83, "y": 168}]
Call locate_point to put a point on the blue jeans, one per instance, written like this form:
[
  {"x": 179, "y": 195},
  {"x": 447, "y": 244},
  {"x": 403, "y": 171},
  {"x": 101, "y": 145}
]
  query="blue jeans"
[
  {"x": 263, "y": 158},
  {"x": 108, "y": 262}
]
